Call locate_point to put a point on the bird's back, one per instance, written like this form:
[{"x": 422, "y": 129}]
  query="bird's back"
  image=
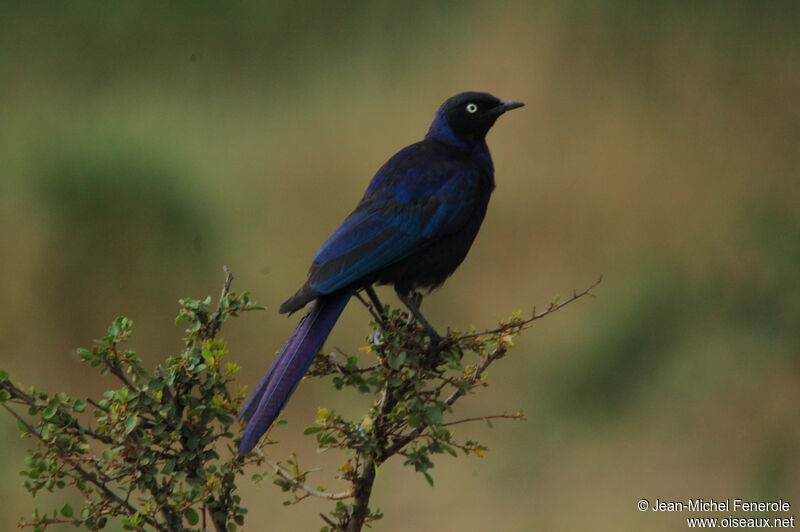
[
  {"x": 456, "y": 195},
  {"x": 414, "y": 225}
]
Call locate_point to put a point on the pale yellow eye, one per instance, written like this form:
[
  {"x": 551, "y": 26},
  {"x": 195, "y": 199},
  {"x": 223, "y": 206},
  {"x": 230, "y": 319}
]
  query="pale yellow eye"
[{"x": 471, "y": 108}]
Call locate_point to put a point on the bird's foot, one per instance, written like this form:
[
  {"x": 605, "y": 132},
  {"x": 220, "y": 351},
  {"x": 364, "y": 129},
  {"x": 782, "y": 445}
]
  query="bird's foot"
[
  {"x": 416, "y": 299},
  {"x": 436, "y": 344},
  {"x": 412, "y": 301}
]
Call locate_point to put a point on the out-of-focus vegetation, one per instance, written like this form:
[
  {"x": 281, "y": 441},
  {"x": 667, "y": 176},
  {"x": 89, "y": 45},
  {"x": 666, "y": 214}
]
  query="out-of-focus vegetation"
[{"x": 145, "y": 145}]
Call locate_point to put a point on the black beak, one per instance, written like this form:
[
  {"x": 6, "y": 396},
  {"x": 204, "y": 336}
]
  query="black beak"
[
  {"x": 509, "y": 105},
  {"x": 504, "y": 106}
]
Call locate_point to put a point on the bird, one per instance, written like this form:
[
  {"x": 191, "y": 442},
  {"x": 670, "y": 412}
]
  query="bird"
[{"x": 412, "y": 228}]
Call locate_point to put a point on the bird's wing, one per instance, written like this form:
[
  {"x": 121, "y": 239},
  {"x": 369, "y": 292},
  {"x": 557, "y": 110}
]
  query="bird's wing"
[{"x": 393, "y": 221}]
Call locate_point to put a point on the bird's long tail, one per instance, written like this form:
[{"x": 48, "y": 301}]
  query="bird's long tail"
[{"x": 289, "y": 367}]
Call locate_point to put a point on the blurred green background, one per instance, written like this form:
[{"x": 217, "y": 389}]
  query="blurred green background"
[{"x": 143, "y": 145}]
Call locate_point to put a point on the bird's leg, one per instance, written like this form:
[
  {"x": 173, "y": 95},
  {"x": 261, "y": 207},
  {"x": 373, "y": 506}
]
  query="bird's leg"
[
  {"x": 416, "y": 297},
  {"x": 373, "y": 296},
  {"x": 374, "y": 305},
  {"x": 409, "y": 301}
]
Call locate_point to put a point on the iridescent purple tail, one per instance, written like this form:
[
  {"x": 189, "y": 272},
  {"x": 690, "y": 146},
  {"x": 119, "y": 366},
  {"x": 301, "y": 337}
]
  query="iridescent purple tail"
[{"x": 289, "y": 367}]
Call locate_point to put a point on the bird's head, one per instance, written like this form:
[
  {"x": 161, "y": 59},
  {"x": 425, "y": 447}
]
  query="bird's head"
[{"x": 467, "y": 117}]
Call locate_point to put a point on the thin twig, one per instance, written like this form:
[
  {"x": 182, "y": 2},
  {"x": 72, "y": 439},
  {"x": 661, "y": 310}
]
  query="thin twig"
[
  {"x": 228, "y": 280},
  {"x": 519, "y": 417},
  {"x": 116, "y": 369},
  {"x": 498, "y": 353},
  {"x": 520, "y": 325},
  {"x": 327, "y": 520},
  {"x": 96, "y": 404},
  {"x": 341, "y": 368},
  {"x": 287, "y": 475},
  {"x": 83, "y": 473},
  {"x": 214, "y": 324}
]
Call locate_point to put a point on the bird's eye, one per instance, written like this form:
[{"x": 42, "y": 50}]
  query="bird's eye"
[{"x": 471, "y": 108}]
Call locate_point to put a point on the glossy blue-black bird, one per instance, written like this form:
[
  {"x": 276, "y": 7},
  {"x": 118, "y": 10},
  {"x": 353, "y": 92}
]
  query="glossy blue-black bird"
[{"x": 413, "y": 227}]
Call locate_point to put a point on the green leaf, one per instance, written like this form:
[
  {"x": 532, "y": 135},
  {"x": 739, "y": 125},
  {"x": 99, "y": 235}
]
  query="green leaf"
[
  {"x": 434, "y": 414},
  {"x": 49, "y": 412},
  {"x": 156, "y": 384},
  {"x": 191, "y": 516},
  {"x": 67, "y": 511},
  {"x": 130, "y": 424},
  {"x": 312, "y": 430},
  {"x": 169, "y": 467},
  {"x": 397, "y": 361}
]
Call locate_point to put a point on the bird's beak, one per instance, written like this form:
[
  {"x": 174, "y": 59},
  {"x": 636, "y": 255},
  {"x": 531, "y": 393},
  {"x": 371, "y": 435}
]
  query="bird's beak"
[
  {"x": 504, "y": 106},
  {"x": 509, "y": 105}
]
